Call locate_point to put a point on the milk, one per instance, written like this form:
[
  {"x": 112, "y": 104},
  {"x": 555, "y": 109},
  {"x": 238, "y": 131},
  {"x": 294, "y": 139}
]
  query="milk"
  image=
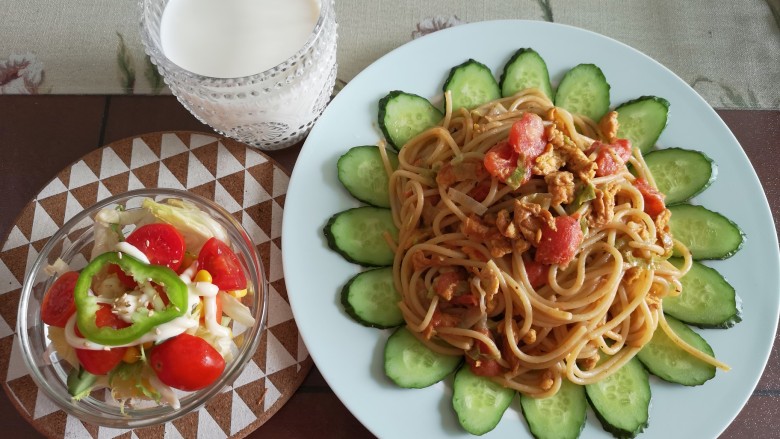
[{"x": 235, "y": 38}]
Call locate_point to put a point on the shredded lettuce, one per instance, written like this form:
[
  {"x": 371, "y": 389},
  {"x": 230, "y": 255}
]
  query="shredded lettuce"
[
  {"x": 59, "y": 267},
  {"x": 108, "y": 227},
  {"x": 236, "y": 310},
  {"x": 195, "y": 225}
]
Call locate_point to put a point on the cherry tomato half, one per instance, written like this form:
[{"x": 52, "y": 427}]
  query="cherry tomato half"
[
  {"x": 223, "y": 265},
  {"x": 100, "y": 362},
  {"x": 161, "y": 243},
  {"x": 186, "y": 362},
  {"x": 58, "y": 304}
]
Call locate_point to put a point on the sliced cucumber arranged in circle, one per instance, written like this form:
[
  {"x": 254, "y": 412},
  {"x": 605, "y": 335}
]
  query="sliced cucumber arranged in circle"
[
  {"x": 666, "y": 360},
  {"x": 642, "y": 120},
  {"x": 471, "y": 84},
  {"x": 526, "y": 69},
  {"x": 561, "y": 416},
  {"x": 680, "y": 173},
  {"x": 402, "y": 116},
  {"x": 707, "y": 234},
  {"x": 622, "y": 400},
  {"x": 584, "y": 90},
  {"x": 359, "y": 235},
  {"x": 362, "y": 172},
  {"x": 372, "y": 300},
  {"x": 707, "y": 299},
  {"x": 412, "y": 365},
  {"x": 478, "y": 401}
]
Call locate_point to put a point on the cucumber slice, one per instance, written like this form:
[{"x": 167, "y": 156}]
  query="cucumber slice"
[
  {"x": 362, "y": 173},
  {"x": 411, "y": 365},
  {"x": 680, "y": 173},
  {"x": 707, "y": 299},
  {"x": 622, "y": 400},
  {"x": 371, "y": 299},
  {"x": 584, "y": 90},
  {"x": 561, "y": 416},
  {"x": 358, "y": 235},
  {"x": 526, "y": 69},
  {"x": 479, "y": 402},
  {"x": 471, "y": 84},
  {"x": 642, "y": 120},
  {"x": 664, "y": 359},
  {"x": 402, "y": 116},
  {"x": 707, "y": 234}
]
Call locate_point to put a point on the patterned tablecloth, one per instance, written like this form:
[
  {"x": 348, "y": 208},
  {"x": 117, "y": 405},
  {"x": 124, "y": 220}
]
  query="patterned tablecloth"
[{"x": 728, "y": 50}]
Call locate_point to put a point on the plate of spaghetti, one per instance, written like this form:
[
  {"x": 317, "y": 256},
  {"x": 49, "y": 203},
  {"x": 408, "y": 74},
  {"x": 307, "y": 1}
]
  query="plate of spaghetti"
[{"x": 470, "y": 249}]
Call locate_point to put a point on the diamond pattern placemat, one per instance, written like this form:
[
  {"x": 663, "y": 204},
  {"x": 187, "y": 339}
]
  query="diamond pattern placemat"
[{"x": 245, "y": 182}]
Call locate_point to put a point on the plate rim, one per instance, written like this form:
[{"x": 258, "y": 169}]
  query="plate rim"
[{"x": 443, "y": 34}]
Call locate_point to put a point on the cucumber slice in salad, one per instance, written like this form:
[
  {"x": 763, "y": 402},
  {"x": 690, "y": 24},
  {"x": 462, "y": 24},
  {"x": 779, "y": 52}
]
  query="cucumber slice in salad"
[
  {"x": 372, "y": 300},
  {"x": 664, "y": 359},
  {"x": 359, "y": 235},
  {"x": 707, "y": 299},
  {"x": 622, "y": 400},
  {"x": 526, "y": 69},
  {"x": 707, "y": 234},
  {"x": 402, "y": 116},
  {"x": 479, "y": 402},
  {"x": 642, "y": 120},
  {"x": 471, "y": 84},
  {"x": 584, "y": 90},
  {"x": 680, "y": 174},
  {"x": 362, "y": 172},
  {"x": 410, "y": 364},
  {"x": 561, "y": 416}
]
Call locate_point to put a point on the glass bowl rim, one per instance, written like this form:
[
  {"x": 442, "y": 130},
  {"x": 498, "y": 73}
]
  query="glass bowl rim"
[{"x": 161, "y": 413}]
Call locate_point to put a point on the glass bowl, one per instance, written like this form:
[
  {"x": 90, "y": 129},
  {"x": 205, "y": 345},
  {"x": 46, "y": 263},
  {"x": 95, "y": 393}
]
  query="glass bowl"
[{"x": 73, "y": 244}]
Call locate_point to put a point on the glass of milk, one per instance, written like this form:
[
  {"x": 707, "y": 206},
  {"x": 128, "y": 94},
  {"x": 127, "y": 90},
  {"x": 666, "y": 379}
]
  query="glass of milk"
[{"x": 259, "y": 71}]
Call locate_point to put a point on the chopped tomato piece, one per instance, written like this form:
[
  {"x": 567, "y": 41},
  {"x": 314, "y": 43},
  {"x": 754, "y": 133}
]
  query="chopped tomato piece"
[
  {"x": 536, "y": 272},
  {"x": 446, "y": 284},
  {"x": 610, "y": 159},
  {"x": 527, "y": 136},
  {"x": 560, "y": 245},
  {"x": 654, "y": 200},
  {"x": 504, "y": 163},
  {"x": 467, "y": 300},
  {"x": 480, "y": 191},
  {"x": 482, "y": 365},
  {"x": 486, "y": 367}
]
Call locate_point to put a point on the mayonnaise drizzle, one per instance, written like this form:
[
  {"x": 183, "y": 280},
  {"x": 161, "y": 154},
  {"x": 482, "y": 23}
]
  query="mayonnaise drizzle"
[{"x": 130, "y": 249}]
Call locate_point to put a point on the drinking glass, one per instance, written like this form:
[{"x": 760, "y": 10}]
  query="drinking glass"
[{"x": 268, "y": 110}]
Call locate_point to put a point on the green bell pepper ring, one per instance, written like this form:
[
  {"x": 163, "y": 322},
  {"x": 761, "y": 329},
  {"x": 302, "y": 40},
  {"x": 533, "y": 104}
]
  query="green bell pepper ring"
[{"x": 142, "y": 319}]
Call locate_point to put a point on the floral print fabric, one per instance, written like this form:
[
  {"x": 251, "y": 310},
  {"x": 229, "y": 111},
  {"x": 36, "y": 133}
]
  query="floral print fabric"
[{"x": 727, "y": 50}]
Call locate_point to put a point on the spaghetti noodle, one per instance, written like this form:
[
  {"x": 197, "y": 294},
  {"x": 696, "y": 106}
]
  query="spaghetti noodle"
[{"x": 527, "y": 246}]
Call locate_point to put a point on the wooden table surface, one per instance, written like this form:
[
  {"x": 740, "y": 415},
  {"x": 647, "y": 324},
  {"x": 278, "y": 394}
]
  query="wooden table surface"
[{"x": 40, "y": 135}]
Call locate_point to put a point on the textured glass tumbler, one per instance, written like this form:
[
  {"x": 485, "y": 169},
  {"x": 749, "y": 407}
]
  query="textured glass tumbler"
[{"x": 269, "y": 110}]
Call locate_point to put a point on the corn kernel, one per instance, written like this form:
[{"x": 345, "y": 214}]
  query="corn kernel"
[
  {"x": 131, "y": 355},
  {"x": 148, "y": 345},
  {"x": 202, "y": 276},
  {"x": 238, "y": 293}
]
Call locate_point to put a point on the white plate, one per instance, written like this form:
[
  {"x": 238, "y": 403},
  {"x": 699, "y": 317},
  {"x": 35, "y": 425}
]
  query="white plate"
[{"x": 350, "y": 356}]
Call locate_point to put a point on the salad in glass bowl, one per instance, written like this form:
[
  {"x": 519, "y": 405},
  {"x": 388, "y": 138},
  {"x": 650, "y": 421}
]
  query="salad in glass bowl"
[{"x": 141, "y": 308}]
